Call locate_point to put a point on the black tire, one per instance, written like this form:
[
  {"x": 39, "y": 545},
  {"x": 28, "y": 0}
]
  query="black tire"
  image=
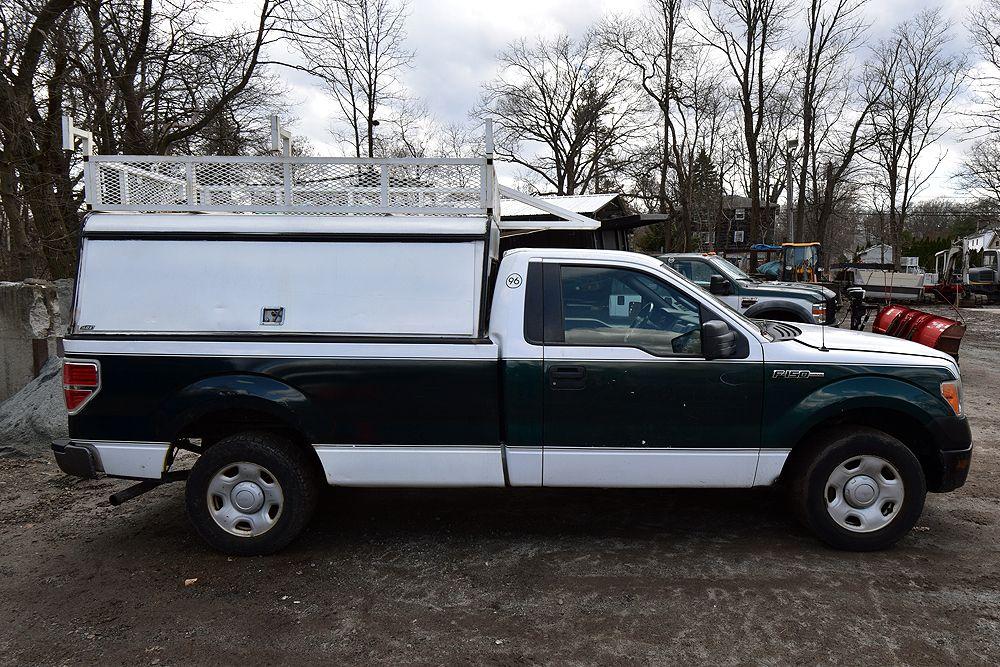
[
  {"x": 290, "y": 467},
  {"x": 811, "y": 496}
]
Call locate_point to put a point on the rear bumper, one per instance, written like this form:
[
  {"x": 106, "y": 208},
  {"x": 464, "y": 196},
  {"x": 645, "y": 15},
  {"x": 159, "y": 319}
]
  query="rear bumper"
[
  {"x": 954, "y": 469},
  {"x": 75, "y": 459},
  {"x": 132, "y": 460}
]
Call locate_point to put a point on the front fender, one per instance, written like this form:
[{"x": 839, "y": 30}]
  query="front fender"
[
  {"x": 237, "y": 391},
  {"x": 781, "y": 304},
  {"x": 789, "y": 417}
]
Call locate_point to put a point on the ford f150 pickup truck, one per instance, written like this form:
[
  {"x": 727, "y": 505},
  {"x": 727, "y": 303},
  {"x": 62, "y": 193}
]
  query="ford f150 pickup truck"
[
  {"x": 807, "y": 303},
  {"x": 380, "y": 341}
]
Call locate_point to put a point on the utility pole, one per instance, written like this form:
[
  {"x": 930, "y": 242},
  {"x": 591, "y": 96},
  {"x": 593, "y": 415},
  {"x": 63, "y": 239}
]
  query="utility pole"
[{"x": 791, "y": 143}]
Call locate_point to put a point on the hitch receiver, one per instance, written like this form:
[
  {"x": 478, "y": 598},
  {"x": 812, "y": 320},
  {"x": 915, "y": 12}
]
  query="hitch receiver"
[{"x": 146, "y": 485}]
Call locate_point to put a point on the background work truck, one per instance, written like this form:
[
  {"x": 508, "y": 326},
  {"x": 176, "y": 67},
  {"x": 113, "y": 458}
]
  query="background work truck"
[
  {"x": 380, "y": 341},
  {"x": 803, "y": 302}
]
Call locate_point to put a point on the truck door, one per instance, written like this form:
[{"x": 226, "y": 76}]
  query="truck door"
[{"x": 629, "y": 400}]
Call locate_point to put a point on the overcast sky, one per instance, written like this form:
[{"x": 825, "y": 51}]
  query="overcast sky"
[{"x": 456, "y": 43}]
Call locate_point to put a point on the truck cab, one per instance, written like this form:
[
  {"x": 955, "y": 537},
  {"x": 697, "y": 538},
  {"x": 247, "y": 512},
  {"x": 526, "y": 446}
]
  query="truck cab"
[
  {"x": 802, "y": 302},
  {"x": 352, "y": 323}
]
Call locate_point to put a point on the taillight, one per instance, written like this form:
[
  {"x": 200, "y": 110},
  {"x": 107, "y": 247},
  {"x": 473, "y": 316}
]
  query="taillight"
[{"x": 81, "y": 381}]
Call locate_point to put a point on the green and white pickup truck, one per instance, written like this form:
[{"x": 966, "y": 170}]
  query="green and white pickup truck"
[
  {"x": 805, "y": 303},
  {"x": 354, "y": 324}
]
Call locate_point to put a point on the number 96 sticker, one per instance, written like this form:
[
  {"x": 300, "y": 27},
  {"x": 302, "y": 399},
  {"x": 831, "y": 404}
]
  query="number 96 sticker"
[{"x": 514, "y": 280}]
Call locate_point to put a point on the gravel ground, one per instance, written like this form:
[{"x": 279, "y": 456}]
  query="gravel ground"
[{"x": 506, "y": 576}]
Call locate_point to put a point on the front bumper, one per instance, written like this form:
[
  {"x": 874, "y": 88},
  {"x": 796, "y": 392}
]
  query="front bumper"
[
  {"x": 75, "y": 459},
  {"x": 954, "y": 469},
  {"x": 832, "y": 306}
]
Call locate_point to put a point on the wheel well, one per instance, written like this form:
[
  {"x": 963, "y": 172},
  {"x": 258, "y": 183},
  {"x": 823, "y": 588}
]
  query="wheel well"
[
  {"x": 214, "y": 426},
  {"x": 899, "y": 425},
  {"x": 780, "y": 314}
]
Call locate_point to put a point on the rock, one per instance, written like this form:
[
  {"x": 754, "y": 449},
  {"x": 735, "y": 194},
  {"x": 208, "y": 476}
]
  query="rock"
[{"x": 35, "y": 416}]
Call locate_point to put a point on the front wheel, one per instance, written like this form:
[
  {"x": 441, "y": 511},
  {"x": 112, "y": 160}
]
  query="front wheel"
[
  {"x": 859, "y": 489},
  {"x": 251, "y": 494}
]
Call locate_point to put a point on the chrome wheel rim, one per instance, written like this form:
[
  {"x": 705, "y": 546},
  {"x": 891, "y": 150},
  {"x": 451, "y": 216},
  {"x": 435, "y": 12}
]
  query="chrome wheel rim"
[
  {"x": 245, "y": 499},
  {"x": 864, "y": 494}
]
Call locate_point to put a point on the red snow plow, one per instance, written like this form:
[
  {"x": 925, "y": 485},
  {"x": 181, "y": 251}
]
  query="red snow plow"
[{"x": 935, "y": 331}]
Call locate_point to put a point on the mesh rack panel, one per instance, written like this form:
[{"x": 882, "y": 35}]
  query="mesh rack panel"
[{"x": 288, "y": 184}]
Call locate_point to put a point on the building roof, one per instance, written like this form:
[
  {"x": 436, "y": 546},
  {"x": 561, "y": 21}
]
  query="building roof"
[
  {"x": 739, "y": 201},
  {"x": 582, "y": 204}
]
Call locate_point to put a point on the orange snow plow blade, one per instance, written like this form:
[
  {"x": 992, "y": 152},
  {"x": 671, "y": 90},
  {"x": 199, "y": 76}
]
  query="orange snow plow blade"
[{"x": 935, "y": 331}]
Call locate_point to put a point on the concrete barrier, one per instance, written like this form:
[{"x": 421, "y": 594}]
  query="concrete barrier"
[{"x": 34, "y": 315}]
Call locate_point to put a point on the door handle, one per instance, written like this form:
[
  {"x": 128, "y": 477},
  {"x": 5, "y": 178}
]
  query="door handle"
[{"x": 567, "y": 377}]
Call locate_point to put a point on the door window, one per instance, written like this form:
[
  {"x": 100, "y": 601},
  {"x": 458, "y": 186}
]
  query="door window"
[
  {"x": 695, "y": 270},
  {"x": 611, "y": 307}
]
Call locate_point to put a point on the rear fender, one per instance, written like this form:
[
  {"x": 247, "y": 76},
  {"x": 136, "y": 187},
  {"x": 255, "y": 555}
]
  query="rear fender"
[{"x": 237, "y": 392}]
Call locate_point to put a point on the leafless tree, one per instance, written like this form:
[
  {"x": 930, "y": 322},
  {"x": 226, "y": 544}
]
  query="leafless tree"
[
  {"x": 39, "y": 213},
  {"x": 561, "y": 111},
  {"x": 842, "y": 131},
  {"x": 147, "y": 77},
  {"x": 751, "y": 37},
  {"x": 984, "y": 30},
  {"x": 358, "y": 48},
  {"x": 407, "y": 130},
  {"x": 685, "y": 87},
  {"x": 834, "y": 30},
  {"x": 922, "y": 79},
  {"x": 779, "y": 117},
  {"x": 172, "y": 80},
  {"x": 981, "y": 171}
]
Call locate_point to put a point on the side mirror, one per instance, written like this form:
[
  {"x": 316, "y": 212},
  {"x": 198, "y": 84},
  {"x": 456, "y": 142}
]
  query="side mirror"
[
  {"x": 720, "y": 286},
  {"x": 718, "y": 341}
]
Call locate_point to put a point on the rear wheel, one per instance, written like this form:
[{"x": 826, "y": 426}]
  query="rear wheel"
[
  {"x": 251, "y": 493},
  {"x": 859, "y": 489}
]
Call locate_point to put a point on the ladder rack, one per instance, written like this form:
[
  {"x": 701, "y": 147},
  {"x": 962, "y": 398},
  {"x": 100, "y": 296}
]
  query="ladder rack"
[
  {"x": 278, "y": 184},
  {"x": 282, "y": 183}
]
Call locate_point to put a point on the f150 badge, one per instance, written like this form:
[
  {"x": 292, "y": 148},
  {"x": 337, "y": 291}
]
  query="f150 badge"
[{"x": 797, "y": 374}]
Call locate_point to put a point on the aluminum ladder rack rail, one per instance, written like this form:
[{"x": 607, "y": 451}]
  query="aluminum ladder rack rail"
[{"x": 282, "y": 184}]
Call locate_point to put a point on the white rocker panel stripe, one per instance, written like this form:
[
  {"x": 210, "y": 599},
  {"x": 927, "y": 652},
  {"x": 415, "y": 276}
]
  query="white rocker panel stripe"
[
  {"x": 650, "y": 468},
  {"x": 524, "y": 466},
  {"x": 425, "y": 466},
  {"x": 386, "y": 465},
  {"x": 769, "y": 466}
]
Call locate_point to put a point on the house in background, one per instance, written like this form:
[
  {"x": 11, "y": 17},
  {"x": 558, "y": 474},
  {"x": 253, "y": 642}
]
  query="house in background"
[
  {"x": 524, "y": 226},
  {"x": 877, "y": 254},
  {"x": 728, "y": 232}
]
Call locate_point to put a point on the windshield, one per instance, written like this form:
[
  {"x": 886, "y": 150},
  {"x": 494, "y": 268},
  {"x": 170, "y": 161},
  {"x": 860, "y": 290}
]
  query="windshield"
[
  {"x": 719, "y": 303},
  {"x": 730, "y": 269},
  {"x": 801, "y": 255}
]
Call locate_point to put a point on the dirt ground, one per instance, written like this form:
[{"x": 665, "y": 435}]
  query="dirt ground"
[{"x": 506, "y": 577}]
